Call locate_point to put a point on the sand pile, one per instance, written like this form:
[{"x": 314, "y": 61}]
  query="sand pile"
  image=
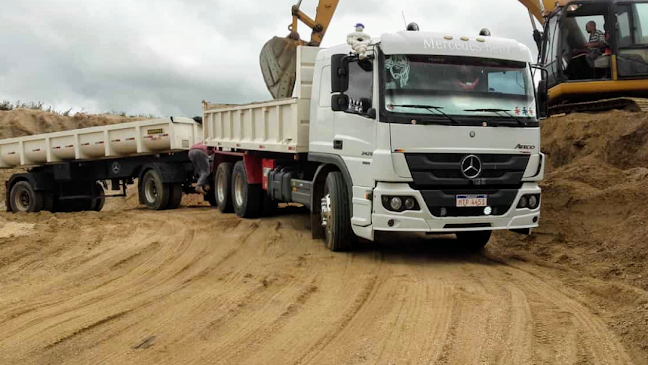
[{"x": 594, "y": 207}]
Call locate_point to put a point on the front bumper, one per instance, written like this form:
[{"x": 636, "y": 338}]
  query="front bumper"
[{"x": 423, "y": 220}]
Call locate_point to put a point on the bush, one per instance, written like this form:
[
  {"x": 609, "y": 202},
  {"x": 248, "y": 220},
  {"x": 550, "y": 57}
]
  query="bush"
[{"x": 6, "y": 106}]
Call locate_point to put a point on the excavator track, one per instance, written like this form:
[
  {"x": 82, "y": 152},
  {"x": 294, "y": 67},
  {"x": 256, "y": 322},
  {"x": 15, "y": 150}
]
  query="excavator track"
[{"x": 632, "y": 104}]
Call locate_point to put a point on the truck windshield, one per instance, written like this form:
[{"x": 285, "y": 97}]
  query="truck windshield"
[{"x": 459, "y": 85}]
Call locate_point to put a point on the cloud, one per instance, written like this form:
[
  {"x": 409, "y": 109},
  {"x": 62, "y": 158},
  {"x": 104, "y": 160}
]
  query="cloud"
[{"x": 165, "y": 56}]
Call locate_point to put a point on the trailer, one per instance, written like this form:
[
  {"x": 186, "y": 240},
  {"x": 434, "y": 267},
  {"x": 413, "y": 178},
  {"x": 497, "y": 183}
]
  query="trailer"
[{"x": 70, "y": 170}]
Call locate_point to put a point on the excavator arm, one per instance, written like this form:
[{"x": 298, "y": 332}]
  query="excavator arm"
[{"x": 279, "y": 56}]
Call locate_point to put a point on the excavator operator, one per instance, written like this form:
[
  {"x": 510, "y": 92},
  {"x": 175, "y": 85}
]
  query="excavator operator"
[
  {"x": 596, "y": 45},
  {"x": 582, "y": 64}
]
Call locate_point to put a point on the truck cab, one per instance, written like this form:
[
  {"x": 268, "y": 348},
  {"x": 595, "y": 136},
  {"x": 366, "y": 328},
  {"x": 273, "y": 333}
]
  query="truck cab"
[{"x": 433, "y": 133}]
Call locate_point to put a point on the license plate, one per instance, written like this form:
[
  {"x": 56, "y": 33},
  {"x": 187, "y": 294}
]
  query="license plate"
[{"x": 471, "y": 201}]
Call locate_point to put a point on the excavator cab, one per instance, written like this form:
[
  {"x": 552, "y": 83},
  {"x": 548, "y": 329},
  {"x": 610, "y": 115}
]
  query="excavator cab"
[
  {"x": 278, "y": 57},
  {"x": 596, "y": 55}
]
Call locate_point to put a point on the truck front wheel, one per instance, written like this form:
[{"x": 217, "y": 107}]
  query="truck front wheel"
[
  {"x": 155, "y": 194},
  {"x": 246, "y": 198},
  {"x": 23, "y": 198},
  {"x": 336, "y": 214},
  {"x": 474, "y": 241}
]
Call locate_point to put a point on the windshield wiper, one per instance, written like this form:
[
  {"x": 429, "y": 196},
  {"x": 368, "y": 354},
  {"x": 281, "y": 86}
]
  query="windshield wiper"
[
  {"x": 497, "y": 112},
  {"x": 431, "y": 109}
]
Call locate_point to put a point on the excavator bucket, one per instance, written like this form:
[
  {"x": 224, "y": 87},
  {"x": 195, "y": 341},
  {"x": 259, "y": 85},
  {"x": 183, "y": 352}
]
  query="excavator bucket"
[{"x": 279, "y": 66}]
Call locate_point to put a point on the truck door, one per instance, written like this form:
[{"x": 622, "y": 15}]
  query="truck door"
[{"x": 355, "y": 129}]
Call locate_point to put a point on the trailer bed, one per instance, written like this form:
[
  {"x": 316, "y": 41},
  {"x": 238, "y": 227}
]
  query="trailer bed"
[
  {"x": 272, "y": 126},
  {"x": 148, "y": 137}
]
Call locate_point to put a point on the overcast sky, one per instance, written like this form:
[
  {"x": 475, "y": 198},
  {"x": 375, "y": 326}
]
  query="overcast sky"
[{"x": 164, "y": 57}]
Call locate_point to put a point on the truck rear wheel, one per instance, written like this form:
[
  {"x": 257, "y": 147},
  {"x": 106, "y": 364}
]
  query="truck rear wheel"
[
  {"x": 175, "y": 196},
  {"x": 155, "y": 194},
  {"x": 23, "y": 198},
  {"x": 211, "y": 194},
  {"x": 246, "y": 198},
  {"x": 336, "y": 215},
  {"x": 474, "y": 241},
  {"x": 223, "y": 187}
]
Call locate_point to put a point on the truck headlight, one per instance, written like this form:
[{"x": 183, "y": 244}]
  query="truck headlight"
[
  {"x": 396, "y": 203},
  {"x": 400, "y": 203},
  {"x": 523, "y": 202},
  {"x": 534, "y": 202},
  {"x": 410, "y": 203}
]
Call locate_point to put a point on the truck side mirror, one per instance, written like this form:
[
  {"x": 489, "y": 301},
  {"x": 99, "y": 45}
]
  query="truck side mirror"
[
  {"x": 543, "y": 99},
  {"x": 339, "y": 102},
  {"x": 339, "y": 73}
]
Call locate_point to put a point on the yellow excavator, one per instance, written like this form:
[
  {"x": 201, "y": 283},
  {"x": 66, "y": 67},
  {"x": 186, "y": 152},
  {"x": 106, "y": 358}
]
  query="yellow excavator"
[
  {"x": 580, "y": 78},
  {"x": 585, "y": 78}
]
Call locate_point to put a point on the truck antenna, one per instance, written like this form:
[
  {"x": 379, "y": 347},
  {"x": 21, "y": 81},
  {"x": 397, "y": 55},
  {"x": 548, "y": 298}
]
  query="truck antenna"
[{"x": 404, "y": 21}]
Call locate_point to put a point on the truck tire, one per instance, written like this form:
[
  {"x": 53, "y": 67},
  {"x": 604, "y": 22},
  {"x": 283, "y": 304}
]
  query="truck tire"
[
  {"x": 223, "y": 187},
  {"x": 474, "y": 241},
  {"x": 211, "y": 194},
  {"x": 336, "y": 214},
  {"x": 100, "y": 201},
  {"x": 175, "y": 196},
  {"x": 246, "y": 198},
  {"x": 23, "y": 198},
  {"x": 154, "y": 193}
]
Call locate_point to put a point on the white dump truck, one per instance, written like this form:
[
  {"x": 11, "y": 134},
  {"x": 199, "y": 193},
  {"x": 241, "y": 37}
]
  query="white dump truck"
[
  {"x": 419, "y": 132},
  {"x": 68, "y": 170}
]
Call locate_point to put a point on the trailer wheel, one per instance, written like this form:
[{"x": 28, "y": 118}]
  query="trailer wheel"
[
  {"x": 474, "y": 241},
  {"x": 23, "y": 198},
  {"x": 175, "y": 196},
  {"x": 155, "y": 194},
  {"x": 100, "y": 201},
  {"x": 336, "y": 214},
  {"x": 246, "y": 198},
  {"x": 223, "y": 187}
]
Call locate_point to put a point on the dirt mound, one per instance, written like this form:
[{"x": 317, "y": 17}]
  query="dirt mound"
[
  {"x": 25, "y": 122},
  {"x": 594, "y": 216}
]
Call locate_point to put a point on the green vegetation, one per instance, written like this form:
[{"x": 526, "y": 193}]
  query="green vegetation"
[{"x": 6, "y": 105}]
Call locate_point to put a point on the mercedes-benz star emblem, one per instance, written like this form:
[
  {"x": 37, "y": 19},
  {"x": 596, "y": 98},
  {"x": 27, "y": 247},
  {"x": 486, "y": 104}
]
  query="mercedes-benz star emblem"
[{"x": 471, "y": 167}]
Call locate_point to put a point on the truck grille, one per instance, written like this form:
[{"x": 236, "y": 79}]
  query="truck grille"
[{"x": 444, "y": 170}]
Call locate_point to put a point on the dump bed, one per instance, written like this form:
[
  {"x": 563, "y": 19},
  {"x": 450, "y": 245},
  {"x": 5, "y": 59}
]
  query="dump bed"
[
  {"x": 112, "y": 141},
  {"x": 274, "y": 126}
]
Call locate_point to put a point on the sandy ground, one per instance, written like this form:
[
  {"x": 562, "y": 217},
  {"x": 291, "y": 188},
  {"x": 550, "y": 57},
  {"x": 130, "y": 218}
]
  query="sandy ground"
[{"x": 193, "y": 286}]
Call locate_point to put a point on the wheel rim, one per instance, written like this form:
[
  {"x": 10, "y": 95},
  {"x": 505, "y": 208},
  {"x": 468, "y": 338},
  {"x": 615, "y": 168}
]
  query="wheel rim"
[
  {"x": 239, "y": 186},
  {"x": 327, "y": 214},
  {"x": 23, "y": 200},
  {"x": 150, "y": 190},
  {"x": 220, "y": 184}
]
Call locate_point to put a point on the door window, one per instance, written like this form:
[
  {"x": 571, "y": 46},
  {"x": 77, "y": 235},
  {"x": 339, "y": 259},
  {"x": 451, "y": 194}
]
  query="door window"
[{"x": 360, "y": 86}]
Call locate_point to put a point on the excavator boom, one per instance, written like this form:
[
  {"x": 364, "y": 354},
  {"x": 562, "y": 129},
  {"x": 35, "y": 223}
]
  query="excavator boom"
[{"x": 279, "y": 56}]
